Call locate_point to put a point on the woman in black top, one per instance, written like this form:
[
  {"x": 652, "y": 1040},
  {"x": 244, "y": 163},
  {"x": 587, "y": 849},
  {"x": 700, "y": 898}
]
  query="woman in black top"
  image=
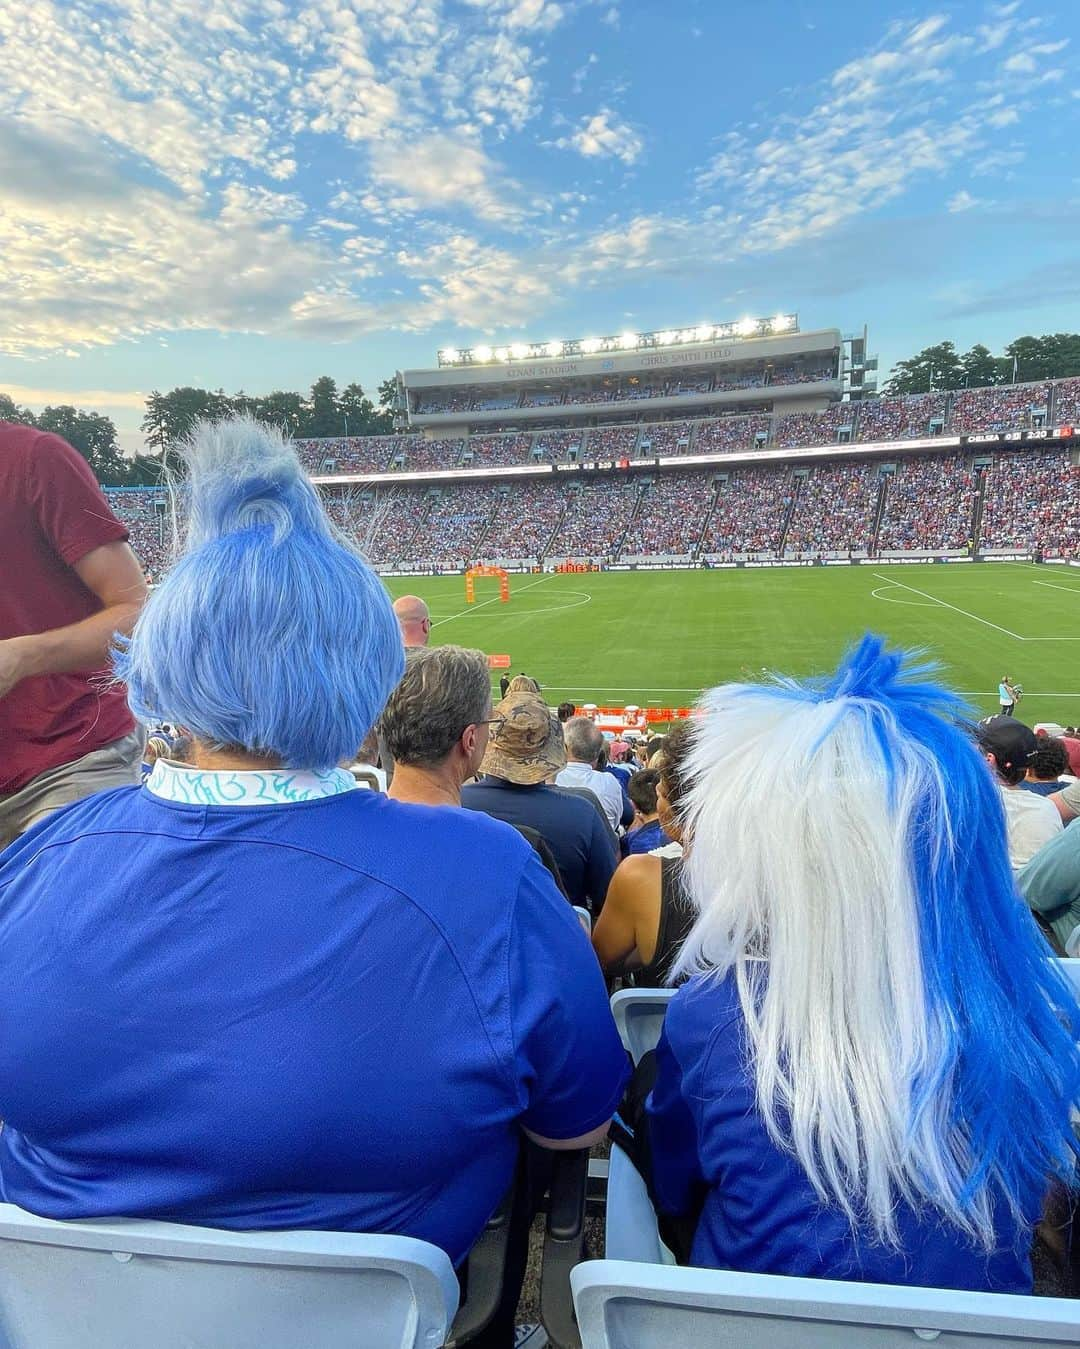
[{"x": 647, "y": 915}]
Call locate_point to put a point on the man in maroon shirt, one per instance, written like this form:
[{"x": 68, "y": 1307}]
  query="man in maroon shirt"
[{"x": 68, "y": 583}]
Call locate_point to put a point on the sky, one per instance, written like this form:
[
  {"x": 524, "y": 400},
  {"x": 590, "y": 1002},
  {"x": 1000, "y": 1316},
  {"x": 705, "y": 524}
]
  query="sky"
[{"x": 251, "y": 193}]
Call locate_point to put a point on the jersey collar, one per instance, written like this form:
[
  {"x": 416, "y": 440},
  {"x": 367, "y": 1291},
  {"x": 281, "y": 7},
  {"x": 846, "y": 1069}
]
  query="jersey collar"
[{"x": 266, "y": 787}]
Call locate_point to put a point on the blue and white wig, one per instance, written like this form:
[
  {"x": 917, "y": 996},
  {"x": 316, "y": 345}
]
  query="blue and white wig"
[
  {"x": 909, "y": 1034},
  {"x": 270, "y": 634}
]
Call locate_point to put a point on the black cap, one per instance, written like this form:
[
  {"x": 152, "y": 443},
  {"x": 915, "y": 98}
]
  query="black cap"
[{"x": 1011, "y": 743}]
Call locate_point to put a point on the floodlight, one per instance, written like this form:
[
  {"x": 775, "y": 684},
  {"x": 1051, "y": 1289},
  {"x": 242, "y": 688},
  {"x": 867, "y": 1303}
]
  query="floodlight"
[
  {"x": 783, "y": 322},
  {"x": 519, "y": 351},
  {"x": 554, "y": 348},
  {"x": 502, "y": 354},
  {"x": 665, "y": 339},
  {"x": 482, "y": 354},
  {"x": 591, "y": 344},
  {"x": 746, "y": 327},
  {"x": 628, "y": 340},
  {"x": 703, "y": 333},
  {"x": 450, "y": 355}
]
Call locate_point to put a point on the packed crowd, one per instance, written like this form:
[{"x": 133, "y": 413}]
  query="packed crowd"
[
  {"x": 493, "y": 451},
  {"x": 295, "y": 1000},
  {"x": 749, "y": 515},
  {"x": 998, "y": 409},
  {"x": 1031, "y": 502},
  {"x": 671, "y": 516},
  {"x": 929, "y": 503},
  {"x": 728, "y": 434},
  {"x": 795, "y": 429},
  {"x": 910, "y": 418},
  {"x": 144, "y": 511},
  {"x": 596, "y": 517},
  {"x": 833, "y": 511}
]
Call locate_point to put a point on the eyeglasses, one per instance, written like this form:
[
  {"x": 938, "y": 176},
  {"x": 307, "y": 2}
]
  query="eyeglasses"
[{"x": 491, "y": 721}]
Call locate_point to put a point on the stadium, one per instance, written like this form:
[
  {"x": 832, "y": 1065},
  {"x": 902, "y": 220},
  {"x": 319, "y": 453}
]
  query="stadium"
[{"x": 693, "y": 484}]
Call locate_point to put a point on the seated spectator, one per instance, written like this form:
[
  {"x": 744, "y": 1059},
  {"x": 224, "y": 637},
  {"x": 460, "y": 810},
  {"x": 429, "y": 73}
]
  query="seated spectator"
[
  {"x": 524, "y": 752},
  {"x": 648, "y": 833},
  {"x": 332, "y": 1016},
  {"x": 435, "y": 727},
  {"x": 584, "y": 745},
  {"x": 523, "y": 683},
  {"x": 436, "y": 724},
  {"x": 621, "y": 775},
  {"x": 648, "y": 913},
  {"x": 157, "y": 747},
  {"x": 1051, "y": 885},
  {"x": 564, "y": 712},
  {"x": 871, "y": 1071},
  {"x": 1047, "y": 765},
  {"x": 1030, "y": 822}
]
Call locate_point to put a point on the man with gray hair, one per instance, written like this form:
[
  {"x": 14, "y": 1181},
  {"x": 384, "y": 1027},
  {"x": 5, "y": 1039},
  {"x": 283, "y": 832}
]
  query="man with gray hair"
[
  {"x": 584, "y": 743},
  {"x": 436, "y": 724}
]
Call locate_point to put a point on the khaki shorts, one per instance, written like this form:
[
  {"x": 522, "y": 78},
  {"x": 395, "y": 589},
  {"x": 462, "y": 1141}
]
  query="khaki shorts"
[{"x": 118, "y": 764}]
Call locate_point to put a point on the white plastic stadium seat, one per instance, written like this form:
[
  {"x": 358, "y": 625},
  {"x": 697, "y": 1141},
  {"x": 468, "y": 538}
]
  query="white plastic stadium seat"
[
  {"x": 584, "y": 918},
  {"x": 628, "y": 1306},
  {"x": 130, "y": 1284},
  {"x": 639, "y": 1016},
  {"x": 630, "y": 1227}
]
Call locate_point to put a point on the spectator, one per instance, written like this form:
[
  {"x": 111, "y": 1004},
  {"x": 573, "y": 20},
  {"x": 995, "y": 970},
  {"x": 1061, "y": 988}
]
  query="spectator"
[
  {"x": 648, "y": 833},
  {"x": 187, "y": 1042},
  {"x": 526, "y": 750},
  {"x": 1031, "y": 821},
  {"x": 523, "y": 683},
  {"x": 157, "y": 747},
  {"x": 584, "y": 745},
  {"x": 436, "y": 722},
  {"x": 648, "y": 913},
  {"x": 1051, "y": 885},
  {"x": 564, "y": 712},
  {"x": 621, "y": 775},
  {"x": 1048, "y": 764},
  {"x": 504, "y": 685},
  {"x": 414, "y": 620},
  {"x": 871, "y": 1071},
  {"x": 71, "y": 584}
]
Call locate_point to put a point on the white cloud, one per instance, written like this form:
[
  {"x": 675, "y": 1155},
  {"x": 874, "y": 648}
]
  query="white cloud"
[
  {"x": 603, "y": 136},
  {"x": 442, "y": 171},
  {"x": 963, "y": 201},
  {"x": 35, "y": 398}
]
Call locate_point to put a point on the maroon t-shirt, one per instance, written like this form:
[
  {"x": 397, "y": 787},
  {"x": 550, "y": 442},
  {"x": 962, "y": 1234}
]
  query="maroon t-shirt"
[{"x": 52, "y": 513}]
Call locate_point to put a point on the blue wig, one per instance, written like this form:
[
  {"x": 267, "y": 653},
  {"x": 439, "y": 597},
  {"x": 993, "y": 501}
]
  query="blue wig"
[
  {"x": 270, "y": 634},
  {"x": 911, "y": 1036}
]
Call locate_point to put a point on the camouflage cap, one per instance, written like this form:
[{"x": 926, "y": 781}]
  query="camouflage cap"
[{"x": 526, "y": 746}]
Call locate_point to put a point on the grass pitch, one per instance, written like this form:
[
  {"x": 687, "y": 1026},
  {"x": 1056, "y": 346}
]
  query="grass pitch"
[{"x": 658, "y": 638}]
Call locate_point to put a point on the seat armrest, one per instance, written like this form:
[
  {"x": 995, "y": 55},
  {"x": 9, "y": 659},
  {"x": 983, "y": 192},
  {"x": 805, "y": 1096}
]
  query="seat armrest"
[
  {"x": 564, "y": 1242},
  {"x": 485, "y": 1270}
]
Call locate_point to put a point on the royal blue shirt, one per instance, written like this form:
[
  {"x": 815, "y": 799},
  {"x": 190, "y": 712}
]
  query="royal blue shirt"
[
  {"x": 645, "y": 838},
  {"x": 333, "y": 1014},
  {"x": 761, "y": 1214}
]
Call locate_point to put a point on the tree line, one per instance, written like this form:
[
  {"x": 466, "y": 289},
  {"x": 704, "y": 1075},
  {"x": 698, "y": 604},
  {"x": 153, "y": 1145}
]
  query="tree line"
[
  {"x": 325, "y": 411},
  {"x": 1052, "y": 356}
]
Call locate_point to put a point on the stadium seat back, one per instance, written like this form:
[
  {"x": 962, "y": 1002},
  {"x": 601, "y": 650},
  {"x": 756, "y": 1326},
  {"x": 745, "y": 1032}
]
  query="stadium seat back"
[
  {"x": 639, "y": 1016},
  {"x": 129, "y": 1284},
  {"x": 633, "y": 1306},
  {"x": 585, "y": 919}
]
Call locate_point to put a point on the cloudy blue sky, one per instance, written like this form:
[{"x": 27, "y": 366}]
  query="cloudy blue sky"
[{"x": 250, "y": 193}]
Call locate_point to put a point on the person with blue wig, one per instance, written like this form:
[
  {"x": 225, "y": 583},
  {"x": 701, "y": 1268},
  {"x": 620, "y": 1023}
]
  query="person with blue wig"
[
  {"x": 870, "y": 1070},
  {"x": 249, "y": 996}
]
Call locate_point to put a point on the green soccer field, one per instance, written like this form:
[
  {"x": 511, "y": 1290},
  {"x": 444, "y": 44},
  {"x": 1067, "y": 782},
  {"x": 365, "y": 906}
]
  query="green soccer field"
[{"x": 658, "y": 638}]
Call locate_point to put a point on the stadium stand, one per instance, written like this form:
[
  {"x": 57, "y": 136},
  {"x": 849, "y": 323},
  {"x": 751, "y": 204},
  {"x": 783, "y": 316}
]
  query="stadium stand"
[
  {"x": 1032, "y": 500},
  {"x": 662, "y": 440},
  {"x": 452, "y": 530},
  {"x": 526, "y": 515},
  {"x": 1002, "y": 409},
  {"x": 812, "y": 428},
  {"x": 750, "y": 512},
  {"x": 145, "y": 512},
  {"x": 490, "y": 451},
  {"x": 908, "y": 418},
  {"x": 596, "y": 517},
  {"x": 671, "y": 516},
  {"x": 929, "y": 503},
  {"x": 728, "y": 434},
  {"x": 833, "y": 511},
  {"x": 1067, "y": 402}
]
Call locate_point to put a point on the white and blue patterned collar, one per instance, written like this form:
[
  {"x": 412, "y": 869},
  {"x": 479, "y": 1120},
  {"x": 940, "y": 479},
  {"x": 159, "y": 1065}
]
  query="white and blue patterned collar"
[{"x": 263, "y": 787}]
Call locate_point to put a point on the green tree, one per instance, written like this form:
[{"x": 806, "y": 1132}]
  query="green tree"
[
  {"x": 11, "y": 412},
  {"x": 323, "y": 417},
  {"x": 361, "y": 414},
  {"x": 283, "y": 409},
  {"x": 170, "y": 416},
  {"x": 982, "y": 368},
  {"x": 936, "y": 367},
  {"x": 388, "y": 394}
]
